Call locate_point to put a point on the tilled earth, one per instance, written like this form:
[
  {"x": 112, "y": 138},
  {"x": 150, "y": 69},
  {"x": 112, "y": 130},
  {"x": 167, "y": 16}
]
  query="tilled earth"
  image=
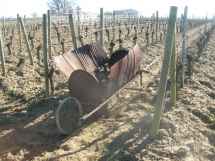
[{"x": 28, "y": 130}]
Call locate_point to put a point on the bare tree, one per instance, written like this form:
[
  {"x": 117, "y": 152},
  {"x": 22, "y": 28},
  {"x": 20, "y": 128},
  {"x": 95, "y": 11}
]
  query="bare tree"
[
  {"x": 53, "y": 12},
  {"x": 78, "y": 8},
  {"x": 54, "y": 5},
  {"x": 67, "y": 5},
  {"x": 61, "y": 6},
  {"x": 70, "y": 10}
]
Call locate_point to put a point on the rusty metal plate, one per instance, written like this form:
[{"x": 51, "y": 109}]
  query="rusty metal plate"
[
  {"x": 63, "y": 65},
  {"x": 128, "y": 71},
  {"x": 118, "y": 63},
  {"x": 94, "y": 53},
  {"x": 98, "y": 53},
  {"x": 81, "y": 60},
  {"x": 113, "y": 75},
  {"x": 123, "y": 68},
  {"x": 85, "y": 87},
  {"x": 73, "y": 61},
  {"x": 137, "y": 52},
  {"x": 86, "y": 53},
  {"x": 83, "y": 56},
  {"x": 87, "y": 57},
  {"x": 131, "y": 63}
]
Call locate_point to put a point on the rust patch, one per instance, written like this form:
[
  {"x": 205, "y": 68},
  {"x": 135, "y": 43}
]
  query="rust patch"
[
  {"x": 88, "y": 57},
  {"x": 85, "y": 87}
]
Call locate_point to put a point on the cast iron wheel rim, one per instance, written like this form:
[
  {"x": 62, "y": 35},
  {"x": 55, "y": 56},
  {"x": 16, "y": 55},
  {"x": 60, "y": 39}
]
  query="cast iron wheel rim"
[{"x": 68, "y": 115}]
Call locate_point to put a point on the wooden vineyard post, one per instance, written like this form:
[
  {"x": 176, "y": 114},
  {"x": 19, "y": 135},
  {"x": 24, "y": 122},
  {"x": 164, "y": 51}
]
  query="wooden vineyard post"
[
  {"x": 45, "y": 55},
  {"x": 26, "y": 40},
  {"x": 184, "y": 45},
  {"x": 24, "y": 19},
  {"x": 114, "y": 24},
  {"x": 113, "y": 32},
  {"x": 49, "y": 34},
  {"x": 129, "y": 18},
  {"x": 164, "y": 72},
  {"x": 157, "y": 25},
  {"x": 19, "y": 32},
  {"x": 182, "y": 18},
  {"x": 78, "y": 23},
  {"x": 71, "y": 23},
  {"x": 101, "y": 27},
  {"x": 2, "y": 55},
  {"x": 173, "y": 74}
]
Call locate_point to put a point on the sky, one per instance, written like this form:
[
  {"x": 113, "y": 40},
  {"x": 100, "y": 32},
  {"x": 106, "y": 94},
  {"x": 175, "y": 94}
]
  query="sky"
[{"x": 10, "y": 8}]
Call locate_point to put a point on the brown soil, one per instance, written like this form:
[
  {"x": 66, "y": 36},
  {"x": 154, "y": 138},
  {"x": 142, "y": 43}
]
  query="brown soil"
[{"x": 28, "y": 130}]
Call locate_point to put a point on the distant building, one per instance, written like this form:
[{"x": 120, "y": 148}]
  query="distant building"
[
  {"x": 108, "y": 13},
  {"x": 127, "y": 12},
  {"x": 88, "y": 15}
]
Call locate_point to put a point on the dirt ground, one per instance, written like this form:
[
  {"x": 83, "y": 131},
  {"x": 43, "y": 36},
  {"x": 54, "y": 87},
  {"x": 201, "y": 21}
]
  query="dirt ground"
[{"x": 28, "y": 129}]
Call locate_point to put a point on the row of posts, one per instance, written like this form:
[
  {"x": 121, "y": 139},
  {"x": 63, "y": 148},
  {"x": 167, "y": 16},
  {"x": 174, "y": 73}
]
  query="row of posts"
[
  {"x": 101, "y": 31},
  {"x": 47, "y": 49},
  {"x": 47, "y": 33},
  {"x": 169, "y": 60},
  {"x": 21, "y": 29},
  {"x": 168, "y": 65}
]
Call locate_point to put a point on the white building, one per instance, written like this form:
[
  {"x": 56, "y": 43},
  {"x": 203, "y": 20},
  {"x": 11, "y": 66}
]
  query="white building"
[{"x": 127, "y": 12}]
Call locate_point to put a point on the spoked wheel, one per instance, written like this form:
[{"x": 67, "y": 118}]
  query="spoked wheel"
[{"x": 68, "y": 115}]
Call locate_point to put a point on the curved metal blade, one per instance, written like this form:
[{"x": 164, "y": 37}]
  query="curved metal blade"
[
  {"x": 113, "y": 75},
  {"x": 73, "y": 61},
  {"x": 137, "y": 52},
  {"x": 132, "y": 63},
  {"x": 85, "y": 87},
  {"x": 64, "y": 65},
  {"x": 123, "y": 66}
]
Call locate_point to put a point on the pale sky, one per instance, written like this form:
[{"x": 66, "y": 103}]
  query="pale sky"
[{"x": 196, "y": 8}]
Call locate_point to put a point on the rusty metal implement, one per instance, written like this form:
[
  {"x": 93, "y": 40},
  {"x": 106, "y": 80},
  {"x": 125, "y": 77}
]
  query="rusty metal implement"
[
  {"x": 85, "y": 87},
  {"x": 94, "y": 79},
  {"x": 88, "y": 57}
]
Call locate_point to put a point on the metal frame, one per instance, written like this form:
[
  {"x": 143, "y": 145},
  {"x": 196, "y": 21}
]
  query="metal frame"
[
  {"x": 125, "y": 68},
  {"x": 107, "y": 100}
]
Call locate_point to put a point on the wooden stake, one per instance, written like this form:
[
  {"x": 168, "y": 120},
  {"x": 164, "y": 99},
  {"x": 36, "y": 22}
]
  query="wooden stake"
[
  {"x": 49, "y": 34},
  {"x": 101, "y": 27},
  {"x": 114, "y": 24},
  {"x": 173, "y": 74},
  {"x": 2, "y": 55},
  {"x": 157, "y": 21},
  {"x": 26, "y": 40},
  {"x": 164, "y": 72},
  {"x": 19, "y": 32},
  {"x": 184, "y": 45},
  {"x": 73, "y": 32},
  {"x": 45, "y": 55}
]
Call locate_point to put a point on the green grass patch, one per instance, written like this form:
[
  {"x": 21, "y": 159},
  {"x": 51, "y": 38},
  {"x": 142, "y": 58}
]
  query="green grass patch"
[
  {"x": 213, "y": 117},
  {"x": 31, "y": 105}
]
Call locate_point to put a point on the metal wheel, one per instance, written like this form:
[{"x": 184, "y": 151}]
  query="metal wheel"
[{"x": 68, "y": 115}]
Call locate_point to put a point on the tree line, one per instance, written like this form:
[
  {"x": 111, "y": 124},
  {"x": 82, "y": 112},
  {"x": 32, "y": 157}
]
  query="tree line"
[{"x": 63, "y": 6}]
